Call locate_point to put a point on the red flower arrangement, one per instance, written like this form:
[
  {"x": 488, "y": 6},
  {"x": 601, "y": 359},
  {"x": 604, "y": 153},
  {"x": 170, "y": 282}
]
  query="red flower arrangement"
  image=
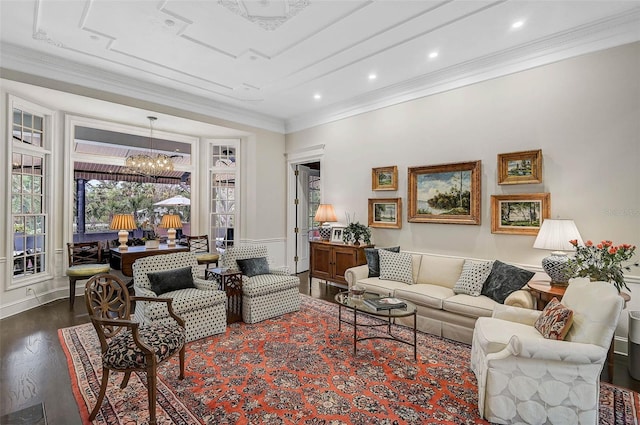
[{"x": 602, "y": 262}]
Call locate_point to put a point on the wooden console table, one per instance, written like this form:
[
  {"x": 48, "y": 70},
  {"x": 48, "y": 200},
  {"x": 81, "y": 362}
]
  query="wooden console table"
[
  {"x": 544, "y": 292},
  {"x": 330, "y": 260},
  {"x": 123, "y": 260}
]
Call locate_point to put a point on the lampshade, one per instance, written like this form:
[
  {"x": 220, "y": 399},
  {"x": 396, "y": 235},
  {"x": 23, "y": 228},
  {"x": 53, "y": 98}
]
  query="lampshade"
[
  {"x": 123, "y": 223},
  {"x": 171, "y": 222},
  {"x": 555, "y": 235},
  {"x": 325, "y": 213}
]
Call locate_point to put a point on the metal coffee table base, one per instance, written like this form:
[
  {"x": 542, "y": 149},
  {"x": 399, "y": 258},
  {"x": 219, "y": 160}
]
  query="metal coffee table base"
[{"x": 388, "y": 323}]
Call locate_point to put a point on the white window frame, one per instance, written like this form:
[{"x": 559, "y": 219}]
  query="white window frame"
[
  {"x": 48, "y": 158},
  {"x": 212, "y": 170}
]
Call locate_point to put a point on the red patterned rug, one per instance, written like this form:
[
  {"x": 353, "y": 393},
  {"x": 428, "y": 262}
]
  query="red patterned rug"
[{"x": 299, "y": 369}]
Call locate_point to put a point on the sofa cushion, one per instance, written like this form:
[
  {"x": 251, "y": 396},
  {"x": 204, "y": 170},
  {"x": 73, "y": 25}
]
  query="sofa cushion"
[
  {"x": 184, "y": 301},
  {"x": 469, "y": 305},
  {"x": 505, "y": 279},
  {"x": 425, "y": 295},
  {"x": 555, "y": 320},
  {"x": 437, "y": 270},
  {"x": 473, "y": 276},
  {"x": 264, "y": 284},
  {"x": 373, "y": 259},
  {"x": 171, "y": 280},
  {"x": 381, "y": 286},
  {"x": 253, "y": 266},
  {"x": 396, "y": 266}
]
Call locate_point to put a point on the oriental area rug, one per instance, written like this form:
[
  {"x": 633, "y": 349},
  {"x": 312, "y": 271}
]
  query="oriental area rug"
[{"x": 299, "y": 369}]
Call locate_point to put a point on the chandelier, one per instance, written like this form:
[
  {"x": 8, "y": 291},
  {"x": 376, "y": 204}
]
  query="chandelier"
[{"x": 151, "y": 164}]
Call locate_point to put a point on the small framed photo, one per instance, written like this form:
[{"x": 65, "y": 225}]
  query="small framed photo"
[
  {"x": 384, "y": 178},
  {"x": 385, "y": 213},
  {"x": 336, "y": 234},
  {"x": 520, "y": 167},
  {"x": 519, "y": 214}
]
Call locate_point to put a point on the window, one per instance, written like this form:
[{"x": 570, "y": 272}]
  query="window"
[
  {"x": 223, "y": 194},
  {"x": 29, "y": 217}
]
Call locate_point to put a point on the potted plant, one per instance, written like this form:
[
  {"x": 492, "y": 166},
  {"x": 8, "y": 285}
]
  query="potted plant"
[{"x": 354, "y": 232}]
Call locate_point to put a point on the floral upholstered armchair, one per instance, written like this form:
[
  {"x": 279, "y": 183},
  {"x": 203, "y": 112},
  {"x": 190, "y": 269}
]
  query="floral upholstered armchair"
[
  {"x": 175, "y": 276},
  {"x": 266, "y": 291},
  {"x": 524, "y": 377}
]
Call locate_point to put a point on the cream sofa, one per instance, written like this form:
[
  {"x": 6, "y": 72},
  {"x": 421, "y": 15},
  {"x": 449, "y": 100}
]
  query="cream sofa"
[{"x": 440, "y": 311}]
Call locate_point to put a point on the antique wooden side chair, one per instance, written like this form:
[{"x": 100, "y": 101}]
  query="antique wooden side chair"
[
  {"x": 85, "y": 260},
  {"x": 126, "y": 345}
]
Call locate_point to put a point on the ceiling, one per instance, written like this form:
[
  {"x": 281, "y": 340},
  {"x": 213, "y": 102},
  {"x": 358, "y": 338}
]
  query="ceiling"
[{"x": 286, "y": 65}]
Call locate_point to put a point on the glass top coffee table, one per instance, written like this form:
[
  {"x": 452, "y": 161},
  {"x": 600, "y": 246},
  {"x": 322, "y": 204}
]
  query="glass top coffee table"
[{"x": 355, "y": 303}]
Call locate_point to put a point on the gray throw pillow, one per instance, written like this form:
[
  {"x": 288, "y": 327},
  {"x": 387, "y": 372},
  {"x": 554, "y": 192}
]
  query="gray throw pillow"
[
  {"x": 503, "y": 280},
  {"x": 253, "y": 266},
  {"x": 373, "y": 259},
  {"x": 171, "y": 280}
]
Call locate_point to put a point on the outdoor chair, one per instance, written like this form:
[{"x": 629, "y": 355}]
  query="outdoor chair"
[
  {"x": 126, "y": 345},
  {"x": 85, "y": 260},
  {"x": 200, "y": 246}
]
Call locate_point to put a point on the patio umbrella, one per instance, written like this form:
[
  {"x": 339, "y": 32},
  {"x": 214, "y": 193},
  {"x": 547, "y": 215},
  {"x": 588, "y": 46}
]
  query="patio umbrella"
[{"x": 175, "y": 200}]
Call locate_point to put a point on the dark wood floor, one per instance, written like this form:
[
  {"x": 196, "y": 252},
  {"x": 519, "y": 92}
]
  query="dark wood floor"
[{"x": 34, "y": 368}]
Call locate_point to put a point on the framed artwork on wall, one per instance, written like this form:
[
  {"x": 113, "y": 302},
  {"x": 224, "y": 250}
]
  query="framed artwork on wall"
[
  {"x": 384, "y": 178},
  {"x": 336, "y": 234},
  {"x": 447, "y": 193},
  {"x": 385, "y": 213},
  {"x": 519, "y": 214},
  {"x": 520, "y": 167}
]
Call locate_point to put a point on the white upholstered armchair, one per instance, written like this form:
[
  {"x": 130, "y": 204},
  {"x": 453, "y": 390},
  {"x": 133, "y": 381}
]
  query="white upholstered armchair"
[
  {"x": 201, "y": 304},
  {"x": 270, "y": 292},
  {"x": 525, "y": 378}
]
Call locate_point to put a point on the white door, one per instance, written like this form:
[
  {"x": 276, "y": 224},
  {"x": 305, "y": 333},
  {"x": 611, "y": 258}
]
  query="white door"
[{"x": 302, "y": 219}]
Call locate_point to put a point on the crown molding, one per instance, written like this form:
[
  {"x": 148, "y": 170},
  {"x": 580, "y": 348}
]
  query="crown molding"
[
  {"x": 51, "y": 67},
  {"x": 600, "y": 35}
]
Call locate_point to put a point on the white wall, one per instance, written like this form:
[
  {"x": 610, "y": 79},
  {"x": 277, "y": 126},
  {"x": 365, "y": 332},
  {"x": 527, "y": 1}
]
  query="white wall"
[
  {"x": 584, "y": 113},
  {"x": 262, "y": 170}
]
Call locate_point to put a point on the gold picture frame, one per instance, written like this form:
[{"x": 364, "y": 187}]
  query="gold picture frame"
[
  {"x": 447, "y": 193},
  {"x": 385, "y": 213},
  {"x": 384, "y": 178},
  {"x": 520, "y": 214},
  {"x": 520, "y": 167}
]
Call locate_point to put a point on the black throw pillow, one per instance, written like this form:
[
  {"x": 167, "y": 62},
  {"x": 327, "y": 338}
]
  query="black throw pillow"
[
  {"x": 503, "y": 280},
  {"x": 373, "y": 259},
  {"x": 253, "y": 266},
  {"x": 171, "y": 280}
]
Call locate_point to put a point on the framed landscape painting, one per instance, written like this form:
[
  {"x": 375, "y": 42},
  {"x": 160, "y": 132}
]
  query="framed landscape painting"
[
  {"x": 384, "y": 178},
  {"x": 519, "y": 214},
  {"x": 520, "y": 167},
  {"x": 448, "y": 193},
  {"x": 385, "y": 213}
]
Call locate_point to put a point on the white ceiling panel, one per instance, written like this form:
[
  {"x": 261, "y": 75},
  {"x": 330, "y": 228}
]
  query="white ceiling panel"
[{"x": 262, "y": 61}]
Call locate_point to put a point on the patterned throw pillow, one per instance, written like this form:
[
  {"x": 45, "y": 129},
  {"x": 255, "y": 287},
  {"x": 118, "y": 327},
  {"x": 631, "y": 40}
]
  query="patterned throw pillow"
[
  {"x": 373, "y": 259},
  {"x": 473, "y": 276},
  {"x": 396, "y": 266},
  {"x": 554, "y": 321},
  {"x": 503, "y": 280}
]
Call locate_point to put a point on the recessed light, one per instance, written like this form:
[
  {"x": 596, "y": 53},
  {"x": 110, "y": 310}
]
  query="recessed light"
[
  {"x": 317, "y": 96},
  {"x": 517, "y": 24},
  {"x": 169, "y": 22},
  {"x": 94, "y": 37},
  {"x": 433, "y": 55},
  {"x": 372, "y": 76}
]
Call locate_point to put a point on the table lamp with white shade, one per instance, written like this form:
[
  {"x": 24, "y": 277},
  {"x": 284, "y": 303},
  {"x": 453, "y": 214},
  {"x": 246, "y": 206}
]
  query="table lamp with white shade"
[
  {"x": 171, "y": 222},
  {"x": 554, "y": 235},
  {"x": 123, "y": 223},
  {"x": 325, "y": 214}
]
